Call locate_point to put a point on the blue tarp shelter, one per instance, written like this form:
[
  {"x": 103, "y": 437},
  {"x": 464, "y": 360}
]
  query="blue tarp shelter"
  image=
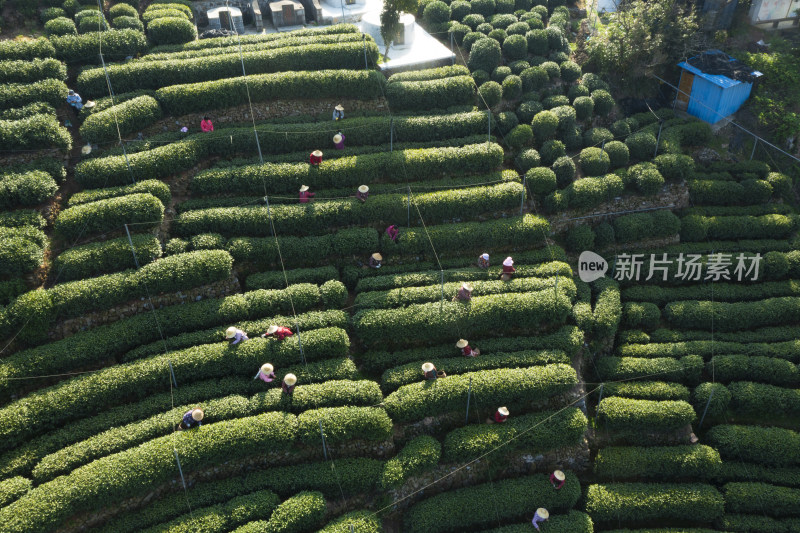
[{"x": 714, "y": 85}]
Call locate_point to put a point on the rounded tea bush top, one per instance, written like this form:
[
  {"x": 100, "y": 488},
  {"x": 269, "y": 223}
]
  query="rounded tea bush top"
[
  {"x": 460, "y": 9},
  {"x": 552, "y": 69},
  {"x": 552, "y": 150},
  {"x": 515, "y": 47},
  {"x": 500, "y": 73},
  {"x": 618, "y": 154},
  {"x": 436, "y": 13},
  {"x": 512, "y": 87},
  {"x": 518, "y": 28},
  {"x": 541, "y": 180},
  {"x": 491, "y": 93},
  {"x": 498, "y": 35},
  {"x": 518, "y": 66},
  {"x": 584, "y": 106},
  {"x": 484, "y": 55},
  {"x": 483, "y": 7},
  {"x": 544, "y": 125},
  {"x": 473, "y": 20},
  {"x": 484, "y": 28},
  {"x": 470, "y": 39},
  {"x": 594, "y": 161},
  {"x": 527, "y": 110},
  {"x": 564, "y": 168},
  {"x": 570, "y": 71},
  {"x": 603, "y": 102},
  {"x": 527, "y": 159},
  {"x": 533, "y": 78},
  {"x": 480, "y": 77}
]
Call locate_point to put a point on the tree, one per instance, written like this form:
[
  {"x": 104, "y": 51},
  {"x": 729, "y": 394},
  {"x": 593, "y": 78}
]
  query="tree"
[
  {"x": 644, "y": 37},
  {"x": 390, "y": 19}
]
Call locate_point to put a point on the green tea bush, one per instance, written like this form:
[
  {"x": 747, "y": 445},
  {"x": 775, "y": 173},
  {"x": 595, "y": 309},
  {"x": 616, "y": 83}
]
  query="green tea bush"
[
  {"x": 420, "y": 454},
  {"x": 533, "y": 78},
  {"x": 520, "y": 28},
  {"x": 491, "y": 93},
  {"x": 638, "y": 226},
  {"x": 107, "y": 256},
  {"x": 472, "y": 508},
  {"x": 505, "y": 122},
  {"x": 647, "y": 390},
  {"x": 26, "y": 190},
  {"x": 623, "y": 414},
  {"x": 584, "y": 106},
  {"x": 537, "y": 43},
  {"x": 595, "y": 137},
  {"x": 117, "y": 44},
  {"x": 359, "y": 521},
  {"x": 686, "y": 370},
  {"x": 658, "y": 462},
  {"x": 580, "y": 238},
  {"x": 498, "y": 387},
  {"x": 674, "y": 167},
  {"x": 125, "y": 118},
  {"x": 758, "y": 523},
  {"x": 30, "y": 49},
  {"x": 485, "y": 54},
  {"x": 555, "y": 100},
  {"x": 527, "y": 159},
  {"x": 618, "y": 154},
  {"x": 121, "y": 23},
  {"x": 735, "y": 316},
  {"x": 122, "y": 10},
  {"x": 570, "y": 71},
  {"x": 498, "y": 35},
  {"x": 12, "y": 488},
  {"x": 763, "y": 445},
  {"x": 432, "y": 94},
  {"x": 51, "y": 91},
  {"x": 515, "y": 47},
  {"x": 460, "y": 9},
  {"x": 564, "y": 168},
  {"x": 527, "y": 110},
  {"x": 474, "y": 19},
  {"x": 738, "y": 367},
  {"x": 109, "y": 215},
  {"x": 512, "y": 87},
  {"x": 157, "y": 188},
  {"x": 163, "y": 11},
  {"x": 342, "y": 424},
  {"x": 21, "y": 71},
  {"x": 552, "y": 150},
  {"x": 436, "y": 12},
  {"x": 520, "y": 137},
  {"x": 29, "y": 110},
  {"x": 92, "y": 23},
  {"x": 658, "y": 502},
  {"x": 594, "y": 161},
  {"x": 555, "y": 429},
  {"x": 589, "y": 192},
  {"x": 544, "y": 124},
  {"x": 641, "y": 145},
  {"x": 764, "y": 400},
  {"x": 751, "y": 498},
  {"x": 697, "y": 228},
  {"x": 34, "y": 133},
  {"x": 155, "y": 74}
]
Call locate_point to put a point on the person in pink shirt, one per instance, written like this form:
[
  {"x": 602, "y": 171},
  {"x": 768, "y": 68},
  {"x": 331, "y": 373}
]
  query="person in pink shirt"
[
  {"x": 266, "y": 373},
  {"x": 393, "y": 232},
  {"x": 206, "y": 125},
  {"x": 304, "y": 195}
]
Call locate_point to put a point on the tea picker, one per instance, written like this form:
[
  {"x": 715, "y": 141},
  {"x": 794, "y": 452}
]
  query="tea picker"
[
  {"x": 280, "y": 332},
  {"x": 557, "y": 479},
  {"x": 499, "y": 416},
  {"x": 541, "y": 515},
  {"x": 464, "y": 294},
  {"x": 235, "y": 335},
  {"x": 429, "y": 371},
  {"x": 466, "y": 349},
  {"x": 193, "y": 418},
  {"x": 289, "y": 383},
  {"x": 266, "y": 373}
]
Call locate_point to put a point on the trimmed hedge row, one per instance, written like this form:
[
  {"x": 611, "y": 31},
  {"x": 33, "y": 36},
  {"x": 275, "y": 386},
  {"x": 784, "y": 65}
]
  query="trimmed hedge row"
[
  {"x": 706, "y": 349},
  {"x": 764, "y": 400},
  {"x": 107, "y": 480},
  {"x": 117, "y": 44},
  {"x": 122, "y": 119},
  {"x": 277, "y": 280},
  {"x": 735, "y": 316},
  {"x": 387, "y": 284},
  {"x": 437, "y": 321},
  {"x": 573, "y": 521},
  {"x": 525, "y": 231},
  {"x": 29, "y": 110},
  {"x": 401, "y": 165},
  {"x": 713, "y": 192},
  {"x": 223, "y": 517},
  {"x": 355, "y": 476},
  {"x": 642, "y": 502},
  {"x": 420, "y": 454},
  {"x": 642, "y": 416},
  {"x": 27, "y": 71},
  {"x": 568, "y": 339},
  {"x": 142, "y": 209},
  {"x": 699, "y": 228},
  {"x": 647, "y": 390},
  {"x": 554, "y": 429},
  {"x": 430, "y": 74},
  {"x": 585, "y": 193},
  {"x": 157, "y": 188},
  {"x": 764, "y": 445},
  {"x": 12, "y": 488},
  {"x": 740, "y": 471},
  {"x": 687, "y": 370},
  {"x": 300, "y": 513},
  {"x": 496, "y": 387},
  {"x": 90, "y": 347},
  {"x": 22, "y": 251},
  {"x": 410, "y": 372},
  {"x": 342, "y": 424},
  {"x": 156, "y": 74},
  {"x": 758, "y": 524},
  {"x": 725, "y": 292},
  {"x": 322, "y": 216},
  {"x": 328, "y": 394},
  {"x": 34, "y": 133},
  {"x": 78, "y": 397},
  {"x": 354, "y": 522},
  {"x": 50, "y": 91},
  {"x": 26, "y": 190},
  {"x": 475, "y": 507},
  {"x": 771, "y": 370},
  {"x": 763, "y": 498},
  {"x": 27, "y": 50},
  {"x": 415, "y": 295},
  {"x": 430, "y": 94},
  {"x": 659, "y": 462},
  {"x": 108, "y": 256},
  {"x": 177, "y": 272}
]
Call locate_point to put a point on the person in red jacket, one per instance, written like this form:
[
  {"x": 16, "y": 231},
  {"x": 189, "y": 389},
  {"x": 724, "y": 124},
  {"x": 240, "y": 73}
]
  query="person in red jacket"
[
  {"x": 557, "y": 479},
  {"x": 499, "y": 416},
  {"x": 206, "y": 125},
  {"x": 508, "y": 269},
  {"x": 280, "y": 332},
  {"x": 429, "y": 371},
  {"x": 466, "y": 350},
  {"x": 363, "y": 193},
  {"x": 464, "y": 294},
  {"x": 315, "y": 158},
  {"x": 304, "y": 195},
  {"x": 289, "y": 383}
]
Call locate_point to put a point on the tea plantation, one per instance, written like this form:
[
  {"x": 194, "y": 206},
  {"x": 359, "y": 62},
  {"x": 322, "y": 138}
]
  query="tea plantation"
[{"x": 145, "y": 256}]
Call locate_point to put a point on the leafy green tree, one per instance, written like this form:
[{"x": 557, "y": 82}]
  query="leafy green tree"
[
  {"x": 644, "y": 37},
  {"x": 390, "y": 19}
]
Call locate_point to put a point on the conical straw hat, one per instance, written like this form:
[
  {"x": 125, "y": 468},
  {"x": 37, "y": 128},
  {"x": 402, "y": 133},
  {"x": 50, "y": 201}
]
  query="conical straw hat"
[
  {"x": 508, "y": 262},
  {"x": 272, "y": 329},
  {"x": 339, "y": 107},
  {"x": 86, "y": 150},
  {"x": 337, "y": 138},
  {"x": 317, "y": 153},
  {"x": 266, "y": 368},
  {"x": 542, "y": 512},
  {"x": 461, "y": 343},
  {"x": 377, "y": 257},
  {"x": 466, "y": 286},
  {"x": 197, "y": 414},
  {"x": 230, "y": 332},
  {"x": 503, "y": 411},
  {"x": 363, "y": 189},
  {"x": 290, "y": 379},
  {"x": 427, "y": 367},
  {"x": 303, "y": 188},
  {"x": 559, "y": 475}
]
